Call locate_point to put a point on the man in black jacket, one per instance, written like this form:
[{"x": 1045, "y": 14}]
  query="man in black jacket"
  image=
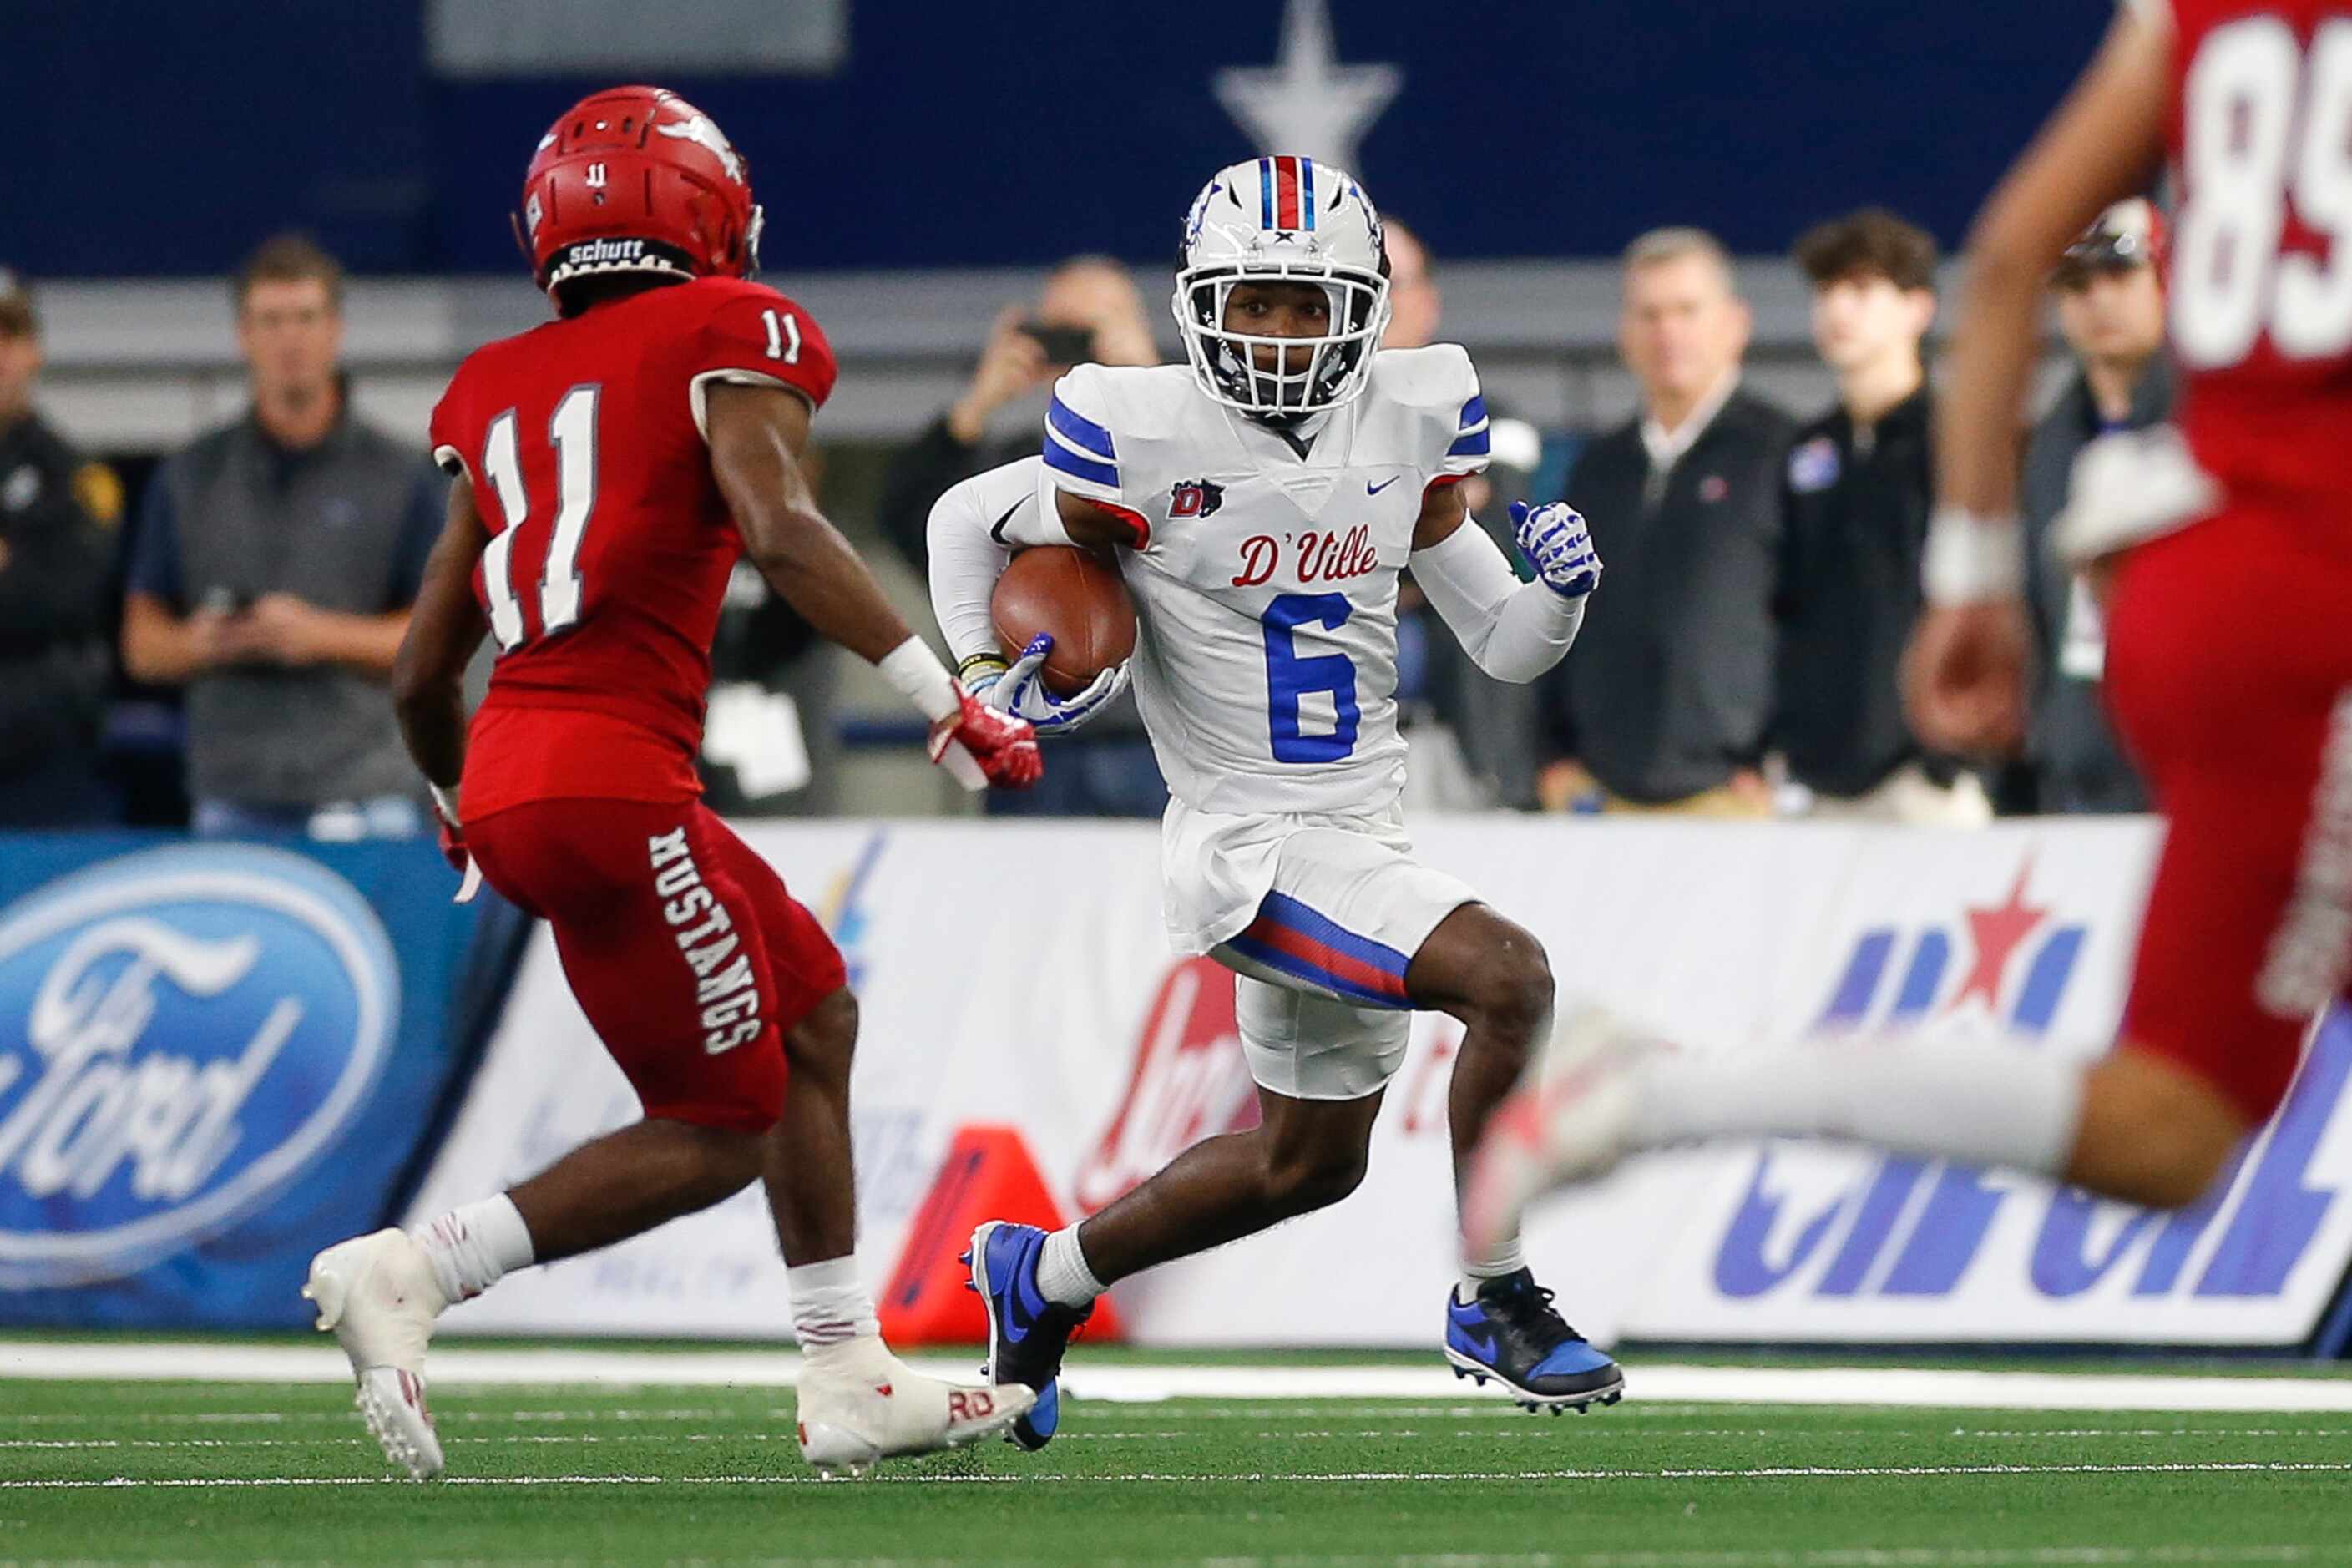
[
  {"x": 57, "y": 515},
  {"x": 1667, "y": 704},
  {"x": 2111, "y": 310},
  {"x": 1088, "y": 313},
  {"x": 1859, "y": 486}
]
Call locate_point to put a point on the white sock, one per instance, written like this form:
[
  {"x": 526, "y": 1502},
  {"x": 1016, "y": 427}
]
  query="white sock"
[
  {"x": 1988, "y": 1103},
  {"x": 1062, "y": 1271},
  {"x": 1506, "y": 1256},
  {"x": 830, "y": 1305},
  {"x": 472, "y": 1247}
]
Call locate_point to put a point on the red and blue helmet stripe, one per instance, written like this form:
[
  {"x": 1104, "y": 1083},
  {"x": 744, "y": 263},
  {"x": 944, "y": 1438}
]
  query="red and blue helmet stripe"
[{"x": 1285, "y": 188}]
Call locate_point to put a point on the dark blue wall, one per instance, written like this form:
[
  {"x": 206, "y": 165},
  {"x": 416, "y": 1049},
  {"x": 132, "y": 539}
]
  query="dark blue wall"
[{"x": 161, "y": 138}]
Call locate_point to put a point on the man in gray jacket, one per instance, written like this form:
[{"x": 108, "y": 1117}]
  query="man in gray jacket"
[
  {"x": 2111, "y": 310},
  {"x": 272, "y": 573}
]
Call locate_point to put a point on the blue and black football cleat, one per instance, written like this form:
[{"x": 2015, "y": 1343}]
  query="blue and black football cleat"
[
  {"x": 1511, "y": 1333},
  {"x": 1026, "y": 1332}
]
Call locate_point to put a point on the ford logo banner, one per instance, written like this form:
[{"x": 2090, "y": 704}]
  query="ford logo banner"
[
  {"x": 186, "y": 1030},
  {"x": 187, "y": 1034}
]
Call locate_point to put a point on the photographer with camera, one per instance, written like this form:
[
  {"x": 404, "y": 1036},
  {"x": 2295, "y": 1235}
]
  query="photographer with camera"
[
  {"x": 272, "y": 573},
  {"x": 1090, "y": 312}
]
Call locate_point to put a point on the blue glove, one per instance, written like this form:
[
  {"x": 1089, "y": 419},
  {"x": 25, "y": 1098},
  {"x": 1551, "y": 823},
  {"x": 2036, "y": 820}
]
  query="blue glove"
[
  {"x": 1021, "y": 691},
  {"x": 1558, "y": 546}
]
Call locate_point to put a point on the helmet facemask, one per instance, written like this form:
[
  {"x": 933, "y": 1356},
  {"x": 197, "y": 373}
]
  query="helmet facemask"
[{"x": 1312, "y": 375}]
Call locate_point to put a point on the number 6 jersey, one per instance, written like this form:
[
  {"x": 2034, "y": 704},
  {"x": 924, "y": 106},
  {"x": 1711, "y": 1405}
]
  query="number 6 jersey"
[
  {"x": 609, "y": 545},
  {"x": 1266, "y": 584}
]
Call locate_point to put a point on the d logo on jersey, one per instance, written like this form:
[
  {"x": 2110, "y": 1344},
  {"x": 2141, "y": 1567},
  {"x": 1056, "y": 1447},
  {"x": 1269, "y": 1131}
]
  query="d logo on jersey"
[{"x": 1195, "y": 498}]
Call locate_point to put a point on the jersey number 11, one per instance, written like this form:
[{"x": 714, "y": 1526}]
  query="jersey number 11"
[{"x": 573, "y": 432}]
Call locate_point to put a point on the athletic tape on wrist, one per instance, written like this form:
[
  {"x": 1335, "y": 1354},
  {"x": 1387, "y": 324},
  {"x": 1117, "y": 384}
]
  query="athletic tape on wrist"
[
  {"x": 922, "y": 679},
  {"x": 1970, "y": 559}
]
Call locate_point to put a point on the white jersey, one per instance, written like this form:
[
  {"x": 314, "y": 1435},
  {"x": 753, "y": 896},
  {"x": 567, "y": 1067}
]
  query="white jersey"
[{"x": 1266, "y": 588}]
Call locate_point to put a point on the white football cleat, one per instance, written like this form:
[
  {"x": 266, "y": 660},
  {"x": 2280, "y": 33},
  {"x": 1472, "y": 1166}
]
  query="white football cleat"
[
  {"x": 1571, "y": 1122},
  {"x": 859, "y": 1404},
  {"x": 379, "y": 1295}
]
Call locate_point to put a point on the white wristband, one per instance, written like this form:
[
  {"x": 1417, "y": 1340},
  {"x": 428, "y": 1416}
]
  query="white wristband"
[
  {"x": 447, "y": 799},
  {"x": 1970, "y": 559},
  {"x": 922, "y": 679}
]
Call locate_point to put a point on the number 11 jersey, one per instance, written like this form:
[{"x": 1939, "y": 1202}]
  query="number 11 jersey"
[{"x": 609, "y": 543}]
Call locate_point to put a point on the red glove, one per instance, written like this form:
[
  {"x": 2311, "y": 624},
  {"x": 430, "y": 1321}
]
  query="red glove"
[{"x": 1003, "y": 749}]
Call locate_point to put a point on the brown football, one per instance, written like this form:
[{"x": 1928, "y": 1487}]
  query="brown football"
[{"x": 1078, "y": 597}]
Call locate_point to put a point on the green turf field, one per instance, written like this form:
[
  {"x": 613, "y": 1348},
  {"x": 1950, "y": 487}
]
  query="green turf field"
[{"x": 177, "y": 1472}]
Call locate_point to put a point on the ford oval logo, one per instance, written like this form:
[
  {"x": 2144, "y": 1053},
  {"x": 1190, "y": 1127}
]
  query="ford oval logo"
[{"x": 183, "y": 1032}]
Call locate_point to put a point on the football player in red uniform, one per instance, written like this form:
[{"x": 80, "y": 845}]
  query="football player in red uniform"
[
  {"x": 2224, "y": 552},
  {"x": 610, "y": 466}
]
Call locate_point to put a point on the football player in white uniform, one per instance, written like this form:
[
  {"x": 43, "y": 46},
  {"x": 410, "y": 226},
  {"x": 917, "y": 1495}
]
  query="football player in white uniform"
[{"x": 1260, "y": 504}]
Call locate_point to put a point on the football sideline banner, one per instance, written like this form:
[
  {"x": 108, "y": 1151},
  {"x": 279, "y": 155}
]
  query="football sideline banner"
[
  {"x": 1016, "y": 975},
  {"x": 215, "y": 1058}
]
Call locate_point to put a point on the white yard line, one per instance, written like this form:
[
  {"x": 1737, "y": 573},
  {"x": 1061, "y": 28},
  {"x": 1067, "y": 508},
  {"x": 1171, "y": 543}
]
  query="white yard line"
[
  {"x": 1532, "y": 1431},
  {"x": 460, "y": 1366},
  {"x": 1156, "y": 1478}
]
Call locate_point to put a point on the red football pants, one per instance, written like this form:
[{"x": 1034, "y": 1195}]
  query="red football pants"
[
  {"x": 681, "y": 944},
  {"x": 2229, "y": 674}
]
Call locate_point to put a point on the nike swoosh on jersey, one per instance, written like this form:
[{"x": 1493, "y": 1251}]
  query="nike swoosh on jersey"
[{"x": 1372, "y": 489}]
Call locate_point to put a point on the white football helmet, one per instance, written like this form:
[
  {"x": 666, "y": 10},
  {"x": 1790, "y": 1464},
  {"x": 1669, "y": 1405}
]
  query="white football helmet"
[{"x": 1283, "y": 218}]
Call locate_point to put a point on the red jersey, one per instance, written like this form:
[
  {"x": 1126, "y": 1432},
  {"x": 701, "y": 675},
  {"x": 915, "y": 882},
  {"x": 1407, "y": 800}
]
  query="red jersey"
[
  {"x": 2260, "y": 130},
  {"x": 609, "y": 545}
]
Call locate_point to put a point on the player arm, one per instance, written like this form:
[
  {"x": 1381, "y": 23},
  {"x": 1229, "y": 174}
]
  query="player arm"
[
  {"x": 444, "y": 627},
  {"x": 967, "y": 557},
  {"x": 2104, "y": 142},
  {"x": 1513, "y": 630},
  {"x": 756, "y": 435}
]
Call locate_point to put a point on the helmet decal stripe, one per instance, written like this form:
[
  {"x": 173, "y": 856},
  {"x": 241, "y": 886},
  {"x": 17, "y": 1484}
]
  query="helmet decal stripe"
[
  {"x": 1307, "y": 197},
  {"x": 1266, "y": 193},
  {"x": 1285, "y": 193}
]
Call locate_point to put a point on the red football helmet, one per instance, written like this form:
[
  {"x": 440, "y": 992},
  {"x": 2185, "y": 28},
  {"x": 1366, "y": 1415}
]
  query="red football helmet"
[{"x": 635, "y": 179}]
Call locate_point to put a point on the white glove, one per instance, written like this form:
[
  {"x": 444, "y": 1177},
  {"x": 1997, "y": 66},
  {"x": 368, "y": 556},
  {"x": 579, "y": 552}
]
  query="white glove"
[
  {"x": 1021, "y": 691},
  {"x": 1557, "y": 544}
]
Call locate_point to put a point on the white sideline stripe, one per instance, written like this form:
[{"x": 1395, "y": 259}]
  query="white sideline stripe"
[
  {"x": 1172, "y": 1478},
  {"x": 463, "y": 1365},
  {"x": 1531, "y": 1431}
]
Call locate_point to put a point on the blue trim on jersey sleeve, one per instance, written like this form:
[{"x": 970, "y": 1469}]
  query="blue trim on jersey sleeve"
[
  {"x": 1473, "y": 444},
  {"x": 1061, "y": 458},
  {"x": 1474, "y": 411},
  {"x": 1080, "y": 431}
]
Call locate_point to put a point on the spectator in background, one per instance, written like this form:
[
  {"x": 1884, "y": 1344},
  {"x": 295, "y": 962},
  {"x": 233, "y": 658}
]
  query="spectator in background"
[
  {"x": 1472, "y": 737},
  {"x": 1858, "y": 491},
  {"x": 1666, "y": 700},
  {"x": 2111, "y": 311},
  {"x": 57, "y": 513},
  {"x": 1090, "y": 312},
  {"x": 272, "y": 573}
]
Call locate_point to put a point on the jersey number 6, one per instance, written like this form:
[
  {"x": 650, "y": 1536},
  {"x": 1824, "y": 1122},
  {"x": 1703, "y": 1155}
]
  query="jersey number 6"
[
  {"x": 1288, "y": 677},
  {"x": 573, "y": 432}
]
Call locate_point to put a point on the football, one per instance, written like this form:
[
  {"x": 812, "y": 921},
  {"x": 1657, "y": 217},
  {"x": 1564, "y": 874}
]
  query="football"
[{"x": 1075, "y": 595}]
